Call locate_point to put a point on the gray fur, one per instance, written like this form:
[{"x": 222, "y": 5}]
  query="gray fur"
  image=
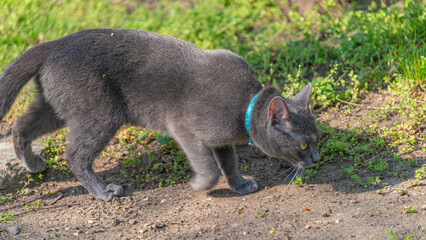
[{"x": 95, "y": 81}]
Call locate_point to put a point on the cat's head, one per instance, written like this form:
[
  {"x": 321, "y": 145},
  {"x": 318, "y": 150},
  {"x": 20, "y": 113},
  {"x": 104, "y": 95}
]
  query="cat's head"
[{"x": 289, "y": 132}]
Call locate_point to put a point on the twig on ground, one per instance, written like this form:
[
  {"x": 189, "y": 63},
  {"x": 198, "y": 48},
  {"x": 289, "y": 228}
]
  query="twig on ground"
[
  {"x": 343, "y": 101},
  {"x": 59, "y": 197},
  {"x": 40, "y": 208},
  {"x": 180, "y": 223}
]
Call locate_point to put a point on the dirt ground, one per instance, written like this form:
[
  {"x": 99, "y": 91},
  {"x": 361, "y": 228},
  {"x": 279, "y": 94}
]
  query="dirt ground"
[{"x": 328, "y": 206}]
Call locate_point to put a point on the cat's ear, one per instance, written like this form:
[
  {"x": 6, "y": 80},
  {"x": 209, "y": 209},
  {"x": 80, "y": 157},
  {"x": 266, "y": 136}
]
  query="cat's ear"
[
  {"x": 278, "y": 112},
  {"x": 303, "y": 96}
]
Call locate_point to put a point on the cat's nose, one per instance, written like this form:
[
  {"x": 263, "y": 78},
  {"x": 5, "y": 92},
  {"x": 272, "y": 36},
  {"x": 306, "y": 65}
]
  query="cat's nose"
[{"x": 315, "y": 157}]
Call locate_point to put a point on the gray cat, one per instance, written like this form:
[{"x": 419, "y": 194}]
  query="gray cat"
[{"x": 95, "y": 81}]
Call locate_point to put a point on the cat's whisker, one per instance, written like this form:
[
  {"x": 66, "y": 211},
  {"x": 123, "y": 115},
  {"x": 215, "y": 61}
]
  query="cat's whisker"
[
  {"x": 295, "y": 174},
  {"x": 294, "y": 169},
  {"x": 285, "y": 171},
  {"x": 299, "y": 172}
]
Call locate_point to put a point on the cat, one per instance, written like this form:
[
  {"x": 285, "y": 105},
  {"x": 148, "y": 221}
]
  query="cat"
[{"x": 94, "y": 81}]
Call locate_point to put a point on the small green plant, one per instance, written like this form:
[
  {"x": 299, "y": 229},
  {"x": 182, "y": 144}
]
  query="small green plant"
[
  {"x": 35, "y": 205},
  {"x": 350, "y": 173},
  {"x": 421, "y": 172},
  {"x": 5, "y": 198},
  {"x": 39, "y": 176},
  {"x": 356, "y": 178},
  {"x": 163, "y": 138},
  {"x": 409, "y": 209},
  {"x": 309, "y": 173},
  {"x": 261, "y": 214},
  {"x": 297, "y": 180},
  {"x": 323, "y": 92},
  {"x": 21, "y": 191},
  {"x": 54, "y": 150},
  {"x": 6, "y": 217},
  {"x": 413, "y": 163},
  {"x": 142, "y": 136},
  {"x": 373, "y": 181},
  {"x": 392, "y": 234}
]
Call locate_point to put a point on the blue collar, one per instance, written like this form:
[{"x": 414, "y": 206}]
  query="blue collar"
[{"x": 248, "y": 113}]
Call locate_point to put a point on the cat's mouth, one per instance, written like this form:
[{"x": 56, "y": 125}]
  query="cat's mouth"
[
  {"x": 300, "y": 163},
  {"x": 304, "y": 165}
]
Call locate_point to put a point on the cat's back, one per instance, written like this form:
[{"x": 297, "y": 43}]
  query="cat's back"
[
  {"x": 121, "y": 53},
  {"x": 135, "y": 57},
  {"x": 103, "y": 45}
]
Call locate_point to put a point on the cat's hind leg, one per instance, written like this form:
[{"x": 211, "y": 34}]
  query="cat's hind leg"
[
  {"x": 227, "y": 161},
  {"x": 39, "y": 119},
  {"x": 87, "y": 139}
]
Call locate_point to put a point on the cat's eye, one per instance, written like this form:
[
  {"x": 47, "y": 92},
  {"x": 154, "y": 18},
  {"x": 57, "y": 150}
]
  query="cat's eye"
[{"x": 303, "y": 146}]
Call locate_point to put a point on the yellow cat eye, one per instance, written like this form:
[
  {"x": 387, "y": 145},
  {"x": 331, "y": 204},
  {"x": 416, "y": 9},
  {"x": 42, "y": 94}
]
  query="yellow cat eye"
[{"x": 303, "y": 146}]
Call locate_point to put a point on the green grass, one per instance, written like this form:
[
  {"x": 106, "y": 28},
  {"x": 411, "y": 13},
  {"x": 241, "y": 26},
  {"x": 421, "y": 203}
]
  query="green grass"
[
  {"x": 54, "y": 150},
  {"x": 148, "y": 159},
  {"x": 6, "y": 217},
  {"x": 345, "y": 58}
]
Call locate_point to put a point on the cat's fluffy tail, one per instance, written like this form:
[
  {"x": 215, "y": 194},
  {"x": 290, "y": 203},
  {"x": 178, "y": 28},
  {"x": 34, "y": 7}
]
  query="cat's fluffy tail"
[{"x": 17, "y": 74}]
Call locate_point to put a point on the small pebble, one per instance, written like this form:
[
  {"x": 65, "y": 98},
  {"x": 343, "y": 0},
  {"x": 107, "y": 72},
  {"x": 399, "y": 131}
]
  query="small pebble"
[
  {"x": 13, "y": 230},
  {"x": 424, "y": 207}
]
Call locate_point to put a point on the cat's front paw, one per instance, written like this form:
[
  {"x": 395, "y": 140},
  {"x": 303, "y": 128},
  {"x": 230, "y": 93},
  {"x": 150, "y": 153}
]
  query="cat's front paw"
[
  {"x": 245, "y": 187},
  {"x": 38, "y": 164}
]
